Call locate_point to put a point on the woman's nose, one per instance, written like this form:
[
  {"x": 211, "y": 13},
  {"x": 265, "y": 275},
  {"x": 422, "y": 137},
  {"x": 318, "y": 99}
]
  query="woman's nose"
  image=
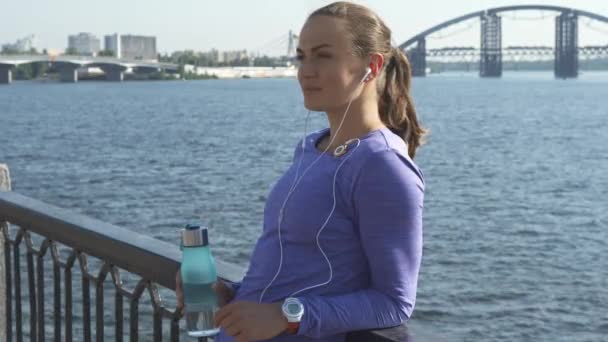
[{"x": 307, "y": 71}]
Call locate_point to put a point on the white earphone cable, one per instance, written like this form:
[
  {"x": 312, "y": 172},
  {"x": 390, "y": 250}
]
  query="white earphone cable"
[{"x": 295, "y": 184}]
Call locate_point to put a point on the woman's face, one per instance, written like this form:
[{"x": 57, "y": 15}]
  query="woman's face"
[{"x": 329, "y": 72}]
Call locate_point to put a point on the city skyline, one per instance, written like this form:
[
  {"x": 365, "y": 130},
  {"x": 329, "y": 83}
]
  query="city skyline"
[{"x": 202, "y": 27}]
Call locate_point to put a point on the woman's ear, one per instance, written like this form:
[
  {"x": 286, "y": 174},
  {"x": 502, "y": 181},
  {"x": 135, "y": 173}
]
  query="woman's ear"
[{"x": 376, "y": 63}]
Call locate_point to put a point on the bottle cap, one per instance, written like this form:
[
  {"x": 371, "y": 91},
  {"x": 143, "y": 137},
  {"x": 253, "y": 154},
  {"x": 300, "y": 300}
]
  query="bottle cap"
[{"x": 194, "y": 235}]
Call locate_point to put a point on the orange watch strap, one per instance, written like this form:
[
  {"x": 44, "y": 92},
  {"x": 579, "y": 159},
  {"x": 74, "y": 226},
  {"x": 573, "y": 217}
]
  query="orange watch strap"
[{"x": 292, "y": 327}]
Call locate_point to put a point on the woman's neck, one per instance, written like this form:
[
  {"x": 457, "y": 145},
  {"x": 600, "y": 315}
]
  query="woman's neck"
[{"x": 360, "y": 120}]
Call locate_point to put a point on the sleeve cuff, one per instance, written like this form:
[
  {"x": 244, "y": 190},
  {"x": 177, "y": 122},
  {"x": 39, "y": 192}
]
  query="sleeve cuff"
[{"x": 306, "y": 317}]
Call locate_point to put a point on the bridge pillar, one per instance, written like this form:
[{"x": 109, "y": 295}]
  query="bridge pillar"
[
  {"x": 566, "y": 45},
  {"x": 6, "y": 74},
  {"x": 113, "y": 73},
  {"x": 68, "y": 73},
  {"x": 491, "y": 46},
  {"x": 417, "y": 58}
]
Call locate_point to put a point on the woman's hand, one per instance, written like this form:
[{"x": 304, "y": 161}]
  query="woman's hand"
[
  {"x": 251, "y": 321},
  {"x": 224, "y": 292}
]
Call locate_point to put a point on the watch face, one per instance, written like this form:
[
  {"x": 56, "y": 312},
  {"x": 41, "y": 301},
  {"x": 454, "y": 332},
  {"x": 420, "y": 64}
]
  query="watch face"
[{"x": 293, "y": 308}]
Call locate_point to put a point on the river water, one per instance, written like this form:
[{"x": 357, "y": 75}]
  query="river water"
[{"x": 516, "y": 212}]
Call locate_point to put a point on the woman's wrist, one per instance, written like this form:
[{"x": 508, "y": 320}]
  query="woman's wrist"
[{"x": 283, "y": 321}]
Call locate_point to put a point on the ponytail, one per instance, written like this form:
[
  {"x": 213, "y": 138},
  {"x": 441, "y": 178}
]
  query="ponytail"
[
  {"x": 396, "y": 105},
  {"x": 368, "y": 35}
]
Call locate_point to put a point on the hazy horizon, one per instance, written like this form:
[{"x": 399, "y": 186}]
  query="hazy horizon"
[{"x": 262, "y": 26}]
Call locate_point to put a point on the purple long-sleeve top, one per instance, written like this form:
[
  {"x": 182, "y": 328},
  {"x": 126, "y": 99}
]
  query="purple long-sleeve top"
[{"x": 373, "y": 239}]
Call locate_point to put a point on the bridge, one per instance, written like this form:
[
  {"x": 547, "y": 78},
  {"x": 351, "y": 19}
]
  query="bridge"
[
  {"x": 512, "y": 52},
  {"x": 566, "y": 52},
  {"x": 68, "y": 66}
]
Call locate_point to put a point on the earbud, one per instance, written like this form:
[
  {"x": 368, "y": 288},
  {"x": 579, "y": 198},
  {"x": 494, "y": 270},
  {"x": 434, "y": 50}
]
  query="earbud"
[{"x": 368, "y": 72}]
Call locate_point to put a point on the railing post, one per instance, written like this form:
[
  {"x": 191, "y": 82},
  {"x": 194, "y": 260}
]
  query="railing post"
[{"x": 5, "y": 185}]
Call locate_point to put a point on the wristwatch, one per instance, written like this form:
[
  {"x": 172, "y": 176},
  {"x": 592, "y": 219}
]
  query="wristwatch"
[{"x": 293, "y": 309}]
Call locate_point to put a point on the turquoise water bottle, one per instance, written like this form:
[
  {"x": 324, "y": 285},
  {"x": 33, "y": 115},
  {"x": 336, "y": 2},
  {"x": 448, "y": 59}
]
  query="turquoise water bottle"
[{"x": 198, "y": 275}]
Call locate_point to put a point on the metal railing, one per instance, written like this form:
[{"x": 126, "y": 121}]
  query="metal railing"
[{"x": 72, "y": 239}]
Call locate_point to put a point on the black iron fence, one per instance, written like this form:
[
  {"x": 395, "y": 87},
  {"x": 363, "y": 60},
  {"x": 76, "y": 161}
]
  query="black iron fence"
[{"x": 67, "y": 242}]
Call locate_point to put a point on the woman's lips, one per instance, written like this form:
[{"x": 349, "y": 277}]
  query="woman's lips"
[{"x": 311, "y": 89}]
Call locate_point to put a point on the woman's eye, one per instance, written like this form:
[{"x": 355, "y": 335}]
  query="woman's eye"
[{"x": 323, "y": 56}]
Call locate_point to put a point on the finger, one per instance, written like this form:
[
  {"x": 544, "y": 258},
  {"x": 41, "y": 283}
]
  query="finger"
[
  {"x": 179, "y": 293},
  {"x": 234, "y": 329},
  {"x": 178, "y": 285},
  {"x": 180, "y": 304},
  {"x": 223, "y": 313},
  {"x": 220, "y": 287},
  {"x": 230, "y": 322},
  {"x": 221, "y": 301},
  {"x": 218, "y": 293},
  {"x": 224, "y": 299},
  {"x": 241, "y": 338},
  {"x": 180, "y": 301},
  {"x": 227, "y": 293}
]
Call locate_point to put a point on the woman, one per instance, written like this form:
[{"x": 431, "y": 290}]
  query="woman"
[{"x": 342, "y": 240}]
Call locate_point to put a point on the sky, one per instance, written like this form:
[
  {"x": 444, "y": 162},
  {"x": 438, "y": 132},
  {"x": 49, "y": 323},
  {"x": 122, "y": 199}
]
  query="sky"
[{"x": 263, "y": 25}]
